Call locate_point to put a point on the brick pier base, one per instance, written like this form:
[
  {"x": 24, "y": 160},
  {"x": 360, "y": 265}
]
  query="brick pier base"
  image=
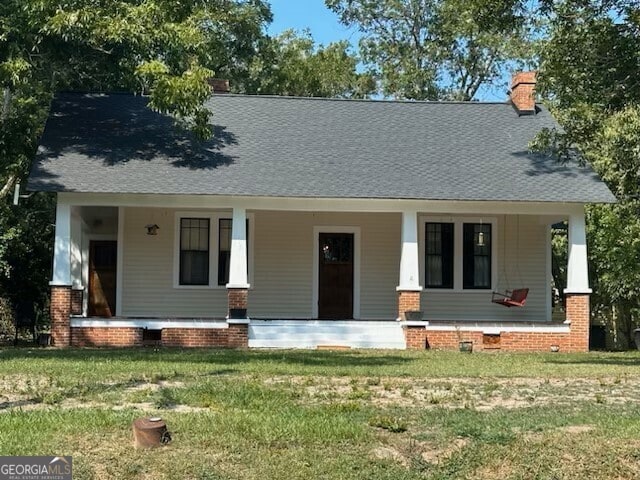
[
  {"x": 60, "y": 312},
  {"x": 238, "y": 299},
  {"x": 407, "y": 301}
]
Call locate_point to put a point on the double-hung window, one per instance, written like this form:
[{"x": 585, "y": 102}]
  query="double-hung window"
[
  {"x": 439, "y": 255},
  {"x": 194, "y": 251}
]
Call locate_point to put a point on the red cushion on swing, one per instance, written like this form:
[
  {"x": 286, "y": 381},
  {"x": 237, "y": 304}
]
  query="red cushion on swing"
[{"x": 517, "y": 298}]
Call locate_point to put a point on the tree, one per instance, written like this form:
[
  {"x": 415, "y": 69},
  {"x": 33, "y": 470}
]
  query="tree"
[
  {"x": 439, "y": 49},
  {"x": 589, "y": 75},
  {"x": 162, "y": 48},
  {"x": 292, "y": 64}
]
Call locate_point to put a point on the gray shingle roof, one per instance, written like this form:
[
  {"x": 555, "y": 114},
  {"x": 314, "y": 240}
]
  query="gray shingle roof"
[{"x": 294, "y": 147}]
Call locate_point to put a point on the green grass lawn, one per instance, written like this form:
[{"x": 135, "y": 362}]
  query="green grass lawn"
[{"x": 326, "y": 415}]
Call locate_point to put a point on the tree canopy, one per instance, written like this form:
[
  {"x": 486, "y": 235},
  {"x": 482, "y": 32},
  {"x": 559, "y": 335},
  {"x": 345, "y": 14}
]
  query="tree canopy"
[
  {"x": 292, "y": 64},
  {"x": 439, "y": 49}
]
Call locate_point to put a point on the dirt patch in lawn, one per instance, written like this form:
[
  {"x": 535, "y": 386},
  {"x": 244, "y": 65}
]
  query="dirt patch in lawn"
[
  {"x": 404, "y": 449},
  {"x": 142, "y": 406},
  {"x": 154, "y": 385},
  {"x": 576, "y": 429},
  {"x": 481, "y": 394},
  {"x": 436, "y": 455},
  {"x": 389, "y": 453}
]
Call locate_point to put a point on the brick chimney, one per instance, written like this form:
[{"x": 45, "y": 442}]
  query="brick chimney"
[
  {"x": 219, "y": 85},
  {"x": 522, "y": 94}
]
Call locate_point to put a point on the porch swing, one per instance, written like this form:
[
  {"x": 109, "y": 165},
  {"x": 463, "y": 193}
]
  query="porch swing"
[{"x": 516, "y": 297}]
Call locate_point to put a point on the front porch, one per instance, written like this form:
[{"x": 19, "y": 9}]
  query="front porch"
[
  {"x": 312, "y": 334},
  {"x": 309, "y": 273}
]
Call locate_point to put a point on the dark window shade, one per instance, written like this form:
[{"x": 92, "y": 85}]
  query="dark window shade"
[
  {"x": 476, "y": 264},
  {"x": 439, "y": 255},
  {"x": 194, "y": 251},
  {"x": 224, "y": 249}
]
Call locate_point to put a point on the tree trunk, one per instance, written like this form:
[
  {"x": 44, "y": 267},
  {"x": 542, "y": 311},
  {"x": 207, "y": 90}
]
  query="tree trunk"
[{"x": 8, "y": 185}]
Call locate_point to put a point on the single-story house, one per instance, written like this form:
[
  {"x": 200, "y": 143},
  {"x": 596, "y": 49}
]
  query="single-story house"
[{"x": 307, "y": 222}]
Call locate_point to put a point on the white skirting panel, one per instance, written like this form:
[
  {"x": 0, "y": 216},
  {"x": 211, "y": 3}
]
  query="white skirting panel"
[{"x": 315, "y": 333}]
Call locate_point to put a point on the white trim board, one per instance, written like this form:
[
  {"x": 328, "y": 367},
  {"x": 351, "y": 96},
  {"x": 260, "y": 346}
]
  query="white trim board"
[
  {"x": 499, "y": 327},
  {"x": 154, "y": 324},
  {"x": 356, "y": 265},
  {"x": 225, "y": 202}
]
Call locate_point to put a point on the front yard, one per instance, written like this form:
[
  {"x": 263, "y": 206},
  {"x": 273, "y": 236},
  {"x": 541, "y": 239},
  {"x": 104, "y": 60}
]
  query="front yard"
[{"x": 326, "y": 415}]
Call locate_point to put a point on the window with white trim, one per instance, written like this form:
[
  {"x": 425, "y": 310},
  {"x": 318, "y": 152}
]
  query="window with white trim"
[
  {"x": 194, "y": 251},
  {"x": 476, "y": 254},
  {"x": 458, "y": 253},
  {"x": 438, "y": 255}
]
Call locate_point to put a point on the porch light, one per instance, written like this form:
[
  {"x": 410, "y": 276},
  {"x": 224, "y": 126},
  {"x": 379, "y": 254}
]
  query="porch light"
[
  {"x": 480, "y": 241},
  {"x": 152, "y": 229}
]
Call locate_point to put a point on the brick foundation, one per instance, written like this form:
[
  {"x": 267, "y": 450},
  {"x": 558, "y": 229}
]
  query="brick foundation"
[
  {"x": 577, "y": 340},
  {"x": 407, "y": 301},
  {"x": 60, "y": 311},
  {"x": 236, "y": 336},
  {"x": 106, "y": 337}
]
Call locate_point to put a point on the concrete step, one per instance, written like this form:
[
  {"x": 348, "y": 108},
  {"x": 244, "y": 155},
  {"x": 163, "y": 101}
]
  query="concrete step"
[{"x": 318, "y": 333}]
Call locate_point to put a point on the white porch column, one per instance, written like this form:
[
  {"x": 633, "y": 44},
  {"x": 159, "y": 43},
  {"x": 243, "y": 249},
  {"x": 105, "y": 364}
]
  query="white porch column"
[
  {"x": 577, "y": 267},
  {"x": 409, "y": 267},
  {"x": 60, "y": 304},
  {"x": 62, "y": 247},
  {"x": 238, "y": 277},
  {"x": 76, "y": 249}
]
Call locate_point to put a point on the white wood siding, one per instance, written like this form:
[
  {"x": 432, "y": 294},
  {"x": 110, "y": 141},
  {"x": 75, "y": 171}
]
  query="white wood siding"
[
  {"x": 283, "y": 275},
  {"x": 282, "y": 284}
]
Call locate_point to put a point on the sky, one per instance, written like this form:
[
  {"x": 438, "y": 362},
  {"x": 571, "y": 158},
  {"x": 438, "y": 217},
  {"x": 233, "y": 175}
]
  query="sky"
[{"x": 311, "y": 14}]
